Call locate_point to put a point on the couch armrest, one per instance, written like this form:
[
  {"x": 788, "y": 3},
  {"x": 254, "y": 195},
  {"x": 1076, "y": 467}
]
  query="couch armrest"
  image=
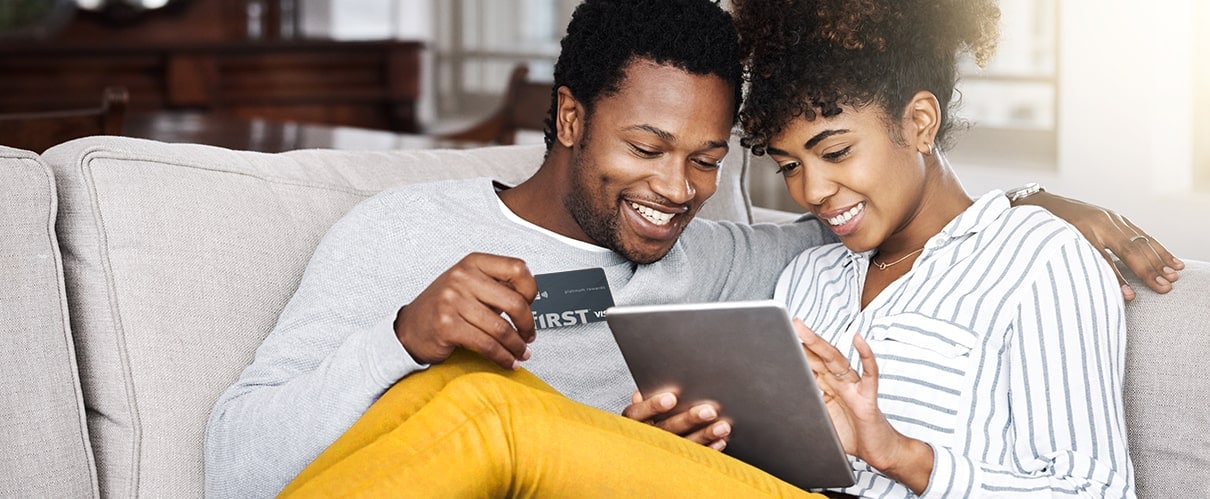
[{"x": 1168, "y": 386}]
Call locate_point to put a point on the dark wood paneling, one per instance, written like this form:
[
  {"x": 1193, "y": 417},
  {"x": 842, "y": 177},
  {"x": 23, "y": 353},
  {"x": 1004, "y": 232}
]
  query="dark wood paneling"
[
  {"x": 366, "y": 84},
  {"x": 194, "y": 21}
]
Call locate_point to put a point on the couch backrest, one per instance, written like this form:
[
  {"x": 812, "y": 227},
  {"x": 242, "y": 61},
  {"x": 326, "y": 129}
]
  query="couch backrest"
[
  {"x": 179, "y": 257},
  {"x": 1168, "y": 385},
  {"x": 44, "y": 448}
]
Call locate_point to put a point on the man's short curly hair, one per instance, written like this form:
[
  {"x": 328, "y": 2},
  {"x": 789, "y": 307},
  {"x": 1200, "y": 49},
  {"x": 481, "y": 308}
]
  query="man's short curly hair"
[
  {"x": 807, "y": 58},
  {"x": 604, "y": 36}
]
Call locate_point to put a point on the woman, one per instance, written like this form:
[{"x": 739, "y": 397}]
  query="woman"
[{"x": 979, "y": 348}]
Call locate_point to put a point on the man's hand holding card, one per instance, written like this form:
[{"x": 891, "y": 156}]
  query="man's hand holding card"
[
  {"x": 466, "y": 307},
  {"x": 483, "y": 304}
]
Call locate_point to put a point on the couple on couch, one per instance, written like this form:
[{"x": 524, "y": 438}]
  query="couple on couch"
[{"x": 395, "y": 368}]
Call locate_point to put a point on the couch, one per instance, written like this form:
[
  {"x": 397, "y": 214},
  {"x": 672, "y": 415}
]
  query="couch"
[{"x": 138, "y": 277}]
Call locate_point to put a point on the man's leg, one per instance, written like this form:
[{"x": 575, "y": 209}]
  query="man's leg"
[
  {"x": 401, "y": 401},
  {"x": 484, "y": 434}
]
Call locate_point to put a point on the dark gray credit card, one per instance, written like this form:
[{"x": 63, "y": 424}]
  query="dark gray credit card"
[{"x": 571, "y": 298}]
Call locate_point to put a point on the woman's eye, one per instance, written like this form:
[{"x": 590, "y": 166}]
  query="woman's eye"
[
  {"x": 838, "y": 155},
  {"x": 787, "y": 168}
]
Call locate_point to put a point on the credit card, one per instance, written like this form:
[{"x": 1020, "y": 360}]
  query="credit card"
[{"x": 571, "y": 298}]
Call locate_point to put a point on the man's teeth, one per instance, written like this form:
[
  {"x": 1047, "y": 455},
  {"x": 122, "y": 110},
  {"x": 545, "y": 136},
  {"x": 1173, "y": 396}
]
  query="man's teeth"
[
  {"x": 654, "y": 216},
  {"x": 844, "y": 218}
]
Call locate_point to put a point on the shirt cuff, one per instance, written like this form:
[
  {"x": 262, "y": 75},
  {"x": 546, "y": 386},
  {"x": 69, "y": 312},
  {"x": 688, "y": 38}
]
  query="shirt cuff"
[
  {"x": 385, "y": 355},
  {"x": 953, "y": 475}
]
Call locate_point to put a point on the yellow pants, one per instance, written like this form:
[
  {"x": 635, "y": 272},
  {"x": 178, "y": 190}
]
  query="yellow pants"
[{"x": 466, "y": 428}]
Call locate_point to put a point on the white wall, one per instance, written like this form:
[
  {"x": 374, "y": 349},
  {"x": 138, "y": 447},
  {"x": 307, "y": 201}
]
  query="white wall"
[{"x": 1126, "y": 95}]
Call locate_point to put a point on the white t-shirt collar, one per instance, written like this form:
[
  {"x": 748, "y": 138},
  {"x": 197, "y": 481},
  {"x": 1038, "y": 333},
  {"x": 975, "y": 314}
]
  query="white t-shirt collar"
[{"x": 575, "y": 243}]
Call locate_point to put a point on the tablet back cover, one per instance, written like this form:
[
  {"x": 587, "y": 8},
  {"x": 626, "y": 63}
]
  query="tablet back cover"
[{"x": 745, "y": 357}]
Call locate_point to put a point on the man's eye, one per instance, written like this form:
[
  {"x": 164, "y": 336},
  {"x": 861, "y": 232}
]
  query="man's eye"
[
  {"x": 838, "y": 155},
  {"x": 705, "y": 163},
  {"x": 788, "y": 168},
  {"x": 644, "y": 152}
]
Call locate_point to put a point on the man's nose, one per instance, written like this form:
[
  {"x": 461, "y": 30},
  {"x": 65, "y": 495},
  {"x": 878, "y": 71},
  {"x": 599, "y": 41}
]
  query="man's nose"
[{"x": 672, "y": 181}]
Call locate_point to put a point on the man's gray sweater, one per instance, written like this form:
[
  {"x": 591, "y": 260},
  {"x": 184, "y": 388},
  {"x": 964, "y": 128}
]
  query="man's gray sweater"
[{"x": 334, "y": 350}]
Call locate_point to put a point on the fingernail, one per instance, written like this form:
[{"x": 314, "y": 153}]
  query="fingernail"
[
  {"x": 1127, "y": 292},
  {"x": 1179, "y": 263},
  {"x": 1160, "y": 279},
  {"x": 516, "y": 365},
  {"x": 666, "y": 401},
  {"x": 719, "y": 445},
  {"x": 706, "y": 413},
  {"x": 527, "y": 354},
  {"x": 1171, "y": 275},
  {"x": 720, "y": 430}
]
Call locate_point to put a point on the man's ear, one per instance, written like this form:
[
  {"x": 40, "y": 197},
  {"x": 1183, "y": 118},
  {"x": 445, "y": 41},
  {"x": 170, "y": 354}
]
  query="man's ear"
[
  {"x": 569, "y": 119},
  {"x": 923, "y": 120}
]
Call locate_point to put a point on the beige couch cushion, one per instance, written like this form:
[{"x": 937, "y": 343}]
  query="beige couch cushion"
[
  {"x": 1168, "y": 386},
  {"x": 44, "y": 449},
  {"x": 179, "y": 258}
]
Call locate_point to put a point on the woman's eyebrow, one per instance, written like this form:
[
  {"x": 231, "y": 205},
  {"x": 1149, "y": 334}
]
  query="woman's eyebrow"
[{"x": 823, "y": 135}]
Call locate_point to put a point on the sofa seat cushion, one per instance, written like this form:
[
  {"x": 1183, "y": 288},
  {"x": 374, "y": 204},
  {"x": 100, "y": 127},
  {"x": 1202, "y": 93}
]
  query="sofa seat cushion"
[{"x": 44, "y": 448}]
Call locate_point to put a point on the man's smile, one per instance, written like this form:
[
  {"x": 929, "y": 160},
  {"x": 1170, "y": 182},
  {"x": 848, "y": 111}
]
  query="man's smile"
[{"x": 652, "y": 215}]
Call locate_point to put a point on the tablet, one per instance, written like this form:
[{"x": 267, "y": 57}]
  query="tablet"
[{"x": 745, "y": 357}]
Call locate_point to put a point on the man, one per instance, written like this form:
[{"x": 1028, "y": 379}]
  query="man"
[{"x": 646, "y": 95}]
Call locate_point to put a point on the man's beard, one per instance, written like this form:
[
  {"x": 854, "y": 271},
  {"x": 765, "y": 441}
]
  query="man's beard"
[{"x": 601, "y": 225}]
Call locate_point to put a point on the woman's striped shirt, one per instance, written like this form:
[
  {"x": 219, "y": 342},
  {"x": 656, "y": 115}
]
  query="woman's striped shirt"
[{"x": 1003, "y": 348}]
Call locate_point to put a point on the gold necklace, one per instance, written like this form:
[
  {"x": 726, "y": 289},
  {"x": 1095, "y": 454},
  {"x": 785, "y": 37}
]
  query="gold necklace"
[{"x": 884, "y": 266}]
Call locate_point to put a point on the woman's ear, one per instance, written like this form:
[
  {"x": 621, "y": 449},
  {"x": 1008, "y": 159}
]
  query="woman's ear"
[
  {"x": 923, "y": 121},
  {"x": 569, "y": 119}
]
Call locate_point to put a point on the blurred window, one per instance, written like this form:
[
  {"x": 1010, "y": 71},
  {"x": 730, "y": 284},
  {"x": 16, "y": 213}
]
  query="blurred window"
[
  {"x": 1012, "y": 103},
  {"x": 478, "y": 42}
]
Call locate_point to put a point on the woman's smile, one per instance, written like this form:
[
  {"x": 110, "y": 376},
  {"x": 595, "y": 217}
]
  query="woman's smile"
[{"x": 845, "y": 221}]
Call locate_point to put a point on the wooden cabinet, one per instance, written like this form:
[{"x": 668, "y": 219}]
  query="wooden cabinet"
[{"x": 372, "y": 84}]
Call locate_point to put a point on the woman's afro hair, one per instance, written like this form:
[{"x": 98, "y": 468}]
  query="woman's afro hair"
[{"x": 807, "y": 58}]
